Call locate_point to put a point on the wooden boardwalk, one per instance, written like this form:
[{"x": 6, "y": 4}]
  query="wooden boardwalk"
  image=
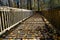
[{"x": 33, "y": 27}]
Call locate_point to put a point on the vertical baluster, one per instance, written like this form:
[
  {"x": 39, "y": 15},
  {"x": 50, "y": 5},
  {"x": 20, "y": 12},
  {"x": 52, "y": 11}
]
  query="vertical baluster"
[
  {"x": 5, "y": 18},
  {"x": 27, "y": 14},
  {"x": 13, "y": 17},
  {"x": 0, "y": 24},
  {"x": 9, "y": 19},
  {"x": 17, "y": 16},
  {"x": 1, "y": 21},
  {"x": 20, "y": 15},
  {"x": 23, "y": 14},
  {"x": 3, "y": 24}
]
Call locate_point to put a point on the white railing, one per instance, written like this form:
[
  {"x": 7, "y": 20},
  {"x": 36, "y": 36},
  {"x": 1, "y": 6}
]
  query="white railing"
[{"x": 10, "y": 17}]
